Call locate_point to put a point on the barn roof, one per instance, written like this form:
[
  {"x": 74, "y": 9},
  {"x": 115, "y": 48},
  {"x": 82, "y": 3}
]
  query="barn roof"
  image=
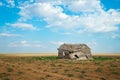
[{"x": 73, "y": 47}]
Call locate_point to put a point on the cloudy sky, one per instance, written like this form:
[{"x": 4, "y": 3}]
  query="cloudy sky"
[{"x": 42, "y": 25}]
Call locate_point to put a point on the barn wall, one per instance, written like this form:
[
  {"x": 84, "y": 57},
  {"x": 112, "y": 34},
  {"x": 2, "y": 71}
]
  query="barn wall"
[
  {"x": 60, "y": 53},
  {"x": 74, "y": 51},
  {"x": 78, "y": 56}
]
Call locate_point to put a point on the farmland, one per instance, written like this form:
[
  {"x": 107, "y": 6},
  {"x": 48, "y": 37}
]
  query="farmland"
[{"x": 49, "y": 67}]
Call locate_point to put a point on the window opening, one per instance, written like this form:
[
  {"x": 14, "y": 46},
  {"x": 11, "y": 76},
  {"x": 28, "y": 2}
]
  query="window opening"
[{"x": 76, "y": 56}]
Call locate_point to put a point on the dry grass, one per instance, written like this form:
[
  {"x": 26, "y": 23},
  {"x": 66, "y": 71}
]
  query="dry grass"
[{"x": 48, "y": 67}]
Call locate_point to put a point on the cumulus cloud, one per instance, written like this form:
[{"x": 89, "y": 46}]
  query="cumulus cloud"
[
  {"x": 25, "y": 43},
  {"x": 52, "y": 15},
  {"x": 9, "y": 35},
  {"x": 23, "y": 26},
  {"x": 90, "y": 17},
  {"x": 83, "y": 5}
]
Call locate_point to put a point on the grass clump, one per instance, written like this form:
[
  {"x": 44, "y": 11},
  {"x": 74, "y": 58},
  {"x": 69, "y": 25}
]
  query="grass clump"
[
  {"x": 102, "y": 78},
  {"x": 113, "y": 65},
  {"x": 82, "y": 76},
  {"x": 70, "y": 75},
  {"x": 3, "y": 75},
  {"x": 116, "y": 73},
  {"x": 66, "y": 70},
  {"x": 53, "y": 65},
  {"x": 76, "y": 70},
  {"x": 61, "y": 79},
  {"x": 98, "y": 70},
  {"x": 9, "y": 69},
  {"x": 97, "y": 62},
  {"x": 5, "y": 79},
  {"x": 19, "y": 72}
]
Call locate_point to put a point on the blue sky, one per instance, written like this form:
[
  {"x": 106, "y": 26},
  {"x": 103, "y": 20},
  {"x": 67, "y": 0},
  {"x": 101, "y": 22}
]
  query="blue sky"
[{"x": 43, "y": 25}]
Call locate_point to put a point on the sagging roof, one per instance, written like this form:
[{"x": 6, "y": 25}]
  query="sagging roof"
[{"x": 73, "y": 47}]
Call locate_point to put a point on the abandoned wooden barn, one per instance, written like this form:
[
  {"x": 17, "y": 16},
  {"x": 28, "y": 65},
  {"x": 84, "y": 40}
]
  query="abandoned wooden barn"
[{"x": 75, "y": 51}]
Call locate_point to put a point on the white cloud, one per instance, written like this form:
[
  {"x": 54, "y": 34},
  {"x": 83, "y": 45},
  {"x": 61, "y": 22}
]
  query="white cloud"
[
  {"x": 11, "y": 3},
  {"x": 25, "y": 43},
  {"x": 31, "y": 0},
  {"x": 83, "y": 5},
  {"x": 1, "y": 3},
  {"x": 19, "y": 44},
  {"x": 23, "y": 26},
  {"x": 114, "y": 36},
  {"x": 40, "y": 10},
  {"x": 9, "y": 35},
  {"x": 102, "y": 22},
  {"x": 93, "y": 44},
  {"x": 52, "y": 15},
  {"x": 57, "y": 42},
  {"x": 92, "y": 16},
  {"x": 66, "y": 33},
  {"x": 49, "y": 1}
]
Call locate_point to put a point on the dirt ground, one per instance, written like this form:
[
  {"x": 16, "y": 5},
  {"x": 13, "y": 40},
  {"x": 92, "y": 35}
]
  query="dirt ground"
[{"x": 35, "y": 68}]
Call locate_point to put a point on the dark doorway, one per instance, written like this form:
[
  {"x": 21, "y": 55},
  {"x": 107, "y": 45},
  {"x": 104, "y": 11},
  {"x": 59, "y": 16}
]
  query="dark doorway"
[
  {"x": 86, "y": 56},
  {"x": 76, "y": 56}
]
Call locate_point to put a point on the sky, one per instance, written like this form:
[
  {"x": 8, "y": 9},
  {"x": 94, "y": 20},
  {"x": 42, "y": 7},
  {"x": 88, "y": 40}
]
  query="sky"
[{"x": 36, "y": 26}]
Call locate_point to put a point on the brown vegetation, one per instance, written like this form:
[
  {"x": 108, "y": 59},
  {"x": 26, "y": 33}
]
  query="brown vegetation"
[{"x": 51, "y": 68}]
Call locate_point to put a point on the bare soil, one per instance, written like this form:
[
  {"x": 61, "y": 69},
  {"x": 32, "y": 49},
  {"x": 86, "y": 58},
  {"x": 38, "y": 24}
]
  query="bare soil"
[{"x": 14, "y": 67}]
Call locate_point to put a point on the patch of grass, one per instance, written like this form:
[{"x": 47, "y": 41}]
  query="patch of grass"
[
  {"x": 41, "y": 78},
  {"x": 116, "y": 73},
  {"x": 89, "y": 79},
  {"x": 70, "y": 75},
  {"x": 99, "y": 58},
  {"x": 98, "y": 70},
  {"x": 52, "y": 64},
  {"x": 77, "y": 70},
  {"x": 3, "y": 75},
  {"x": 102, "y": 78},
  {"x": 9, "y": 69},
  {"x": 69, "y": 62},
  {"x": 97, "y": 62},
  {"x": 113, "y": 65},
  {"x": 110, "y": 68},
  {"x": 45, "y": 58},
  {"x": 82, "y": 76},
  {"x": 66, "y": 70},
  {"x": 5, "y": 79},
  {"x": 19, "y": 72},
  {"x": 61, "y": 79},
  {"x": 55, "y": 71}
]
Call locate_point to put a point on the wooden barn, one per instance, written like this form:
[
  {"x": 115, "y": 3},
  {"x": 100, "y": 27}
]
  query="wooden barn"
[{"x": 75, "y": 51}]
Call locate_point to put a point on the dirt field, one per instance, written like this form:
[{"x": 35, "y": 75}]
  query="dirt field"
[{"x": 49, "y": 67}]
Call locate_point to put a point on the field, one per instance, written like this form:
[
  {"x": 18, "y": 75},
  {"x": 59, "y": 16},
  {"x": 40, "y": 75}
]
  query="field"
[{"x": 49, "y": 67}]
